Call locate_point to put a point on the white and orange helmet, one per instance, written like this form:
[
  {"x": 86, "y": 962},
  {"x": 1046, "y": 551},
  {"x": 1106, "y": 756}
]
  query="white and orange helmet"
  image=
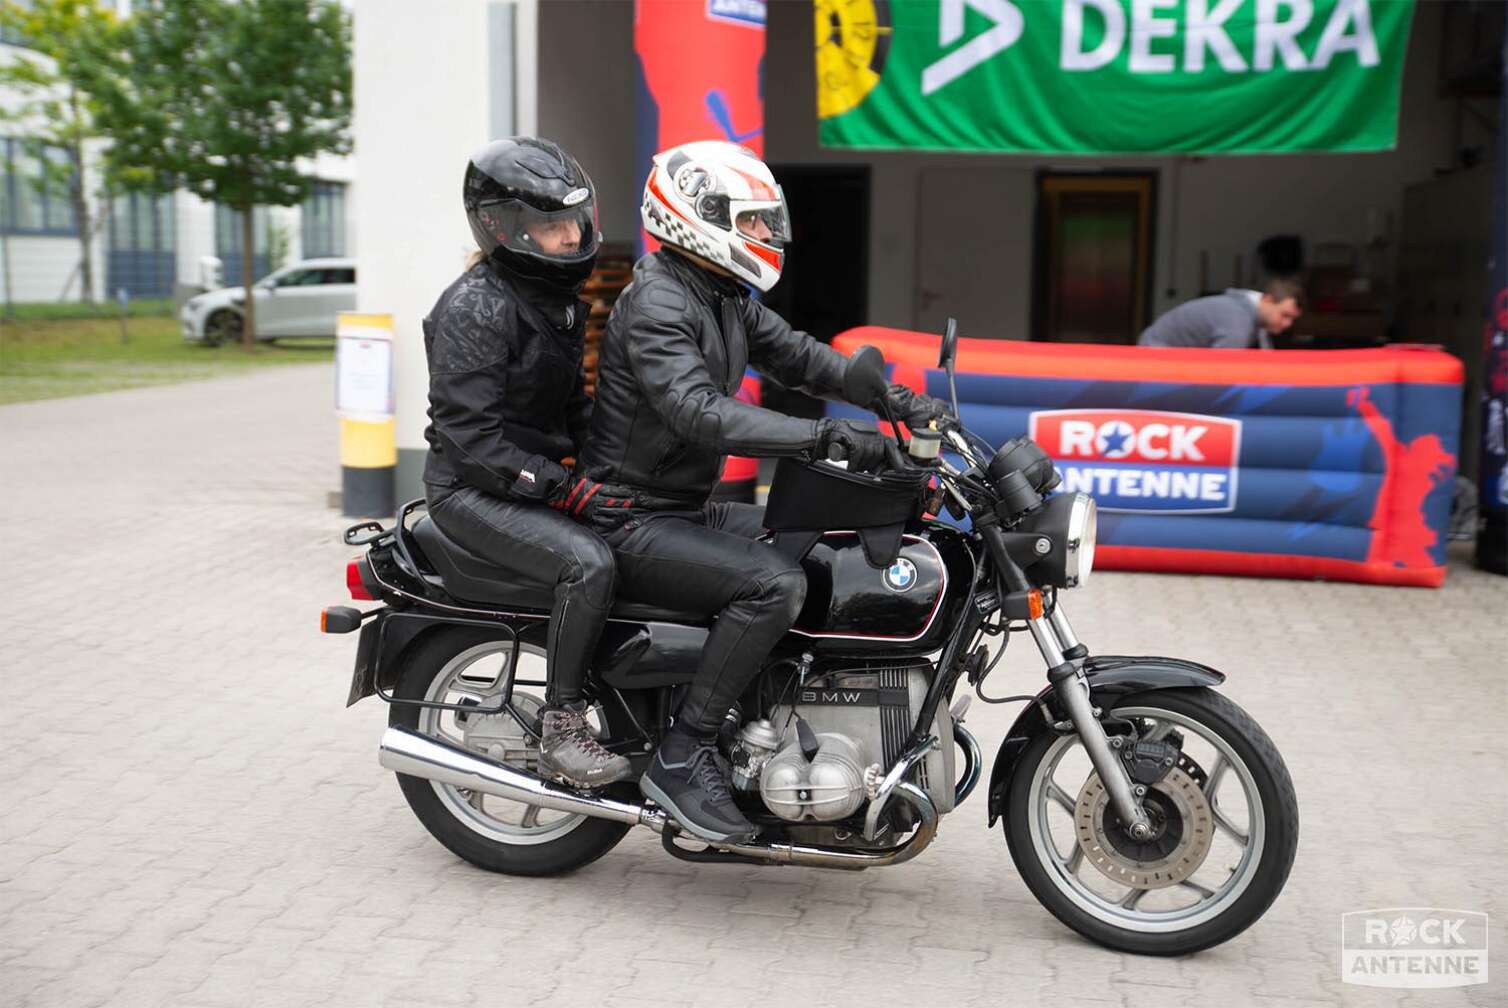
[{"x": 718, "y": 202}]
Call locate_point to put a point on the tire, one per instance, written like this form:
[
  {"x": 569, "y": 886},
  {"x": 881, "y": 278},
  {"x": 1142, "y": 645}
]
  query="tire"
[
  {"x": 224, "y": 326},
  {"x": 441, "y": 808},
  {"x": 1266, "y": 857}
]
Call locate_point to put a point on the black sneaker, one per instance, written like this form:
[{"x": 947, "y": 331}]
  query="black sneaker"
[{"x": 685, "y": 780}]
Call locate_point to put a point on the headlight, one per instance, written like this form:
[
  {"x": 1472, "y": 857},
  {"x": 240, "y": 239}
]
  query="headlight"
[
  {"x": 1083, "y": 526},
  {"x": 1065, "y": 552}
]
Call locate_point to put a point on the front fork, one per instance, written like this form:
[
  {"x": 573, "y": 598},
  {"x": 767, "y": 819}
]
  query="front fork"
[
  {"x": 1065, "y": 656},
  {"x": 1054, "y": 636}
]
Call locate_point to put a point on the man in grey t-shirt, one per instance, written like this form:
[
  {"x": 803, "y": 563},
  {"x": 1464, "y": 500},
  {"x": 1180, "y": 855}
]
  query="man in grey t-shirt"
[{"x": 1236, "y": 319}]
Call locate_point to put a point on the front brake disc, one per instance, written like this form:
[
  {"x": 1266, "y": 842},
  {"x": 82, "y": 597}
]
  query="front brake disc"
[{"x": 1183, "y": 830}]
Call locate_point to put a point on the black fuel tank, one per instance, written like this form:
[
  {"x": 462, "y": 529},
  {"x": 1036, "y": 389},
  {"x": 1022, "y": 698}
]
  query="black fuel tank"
[{"x": 909, "y": 606}]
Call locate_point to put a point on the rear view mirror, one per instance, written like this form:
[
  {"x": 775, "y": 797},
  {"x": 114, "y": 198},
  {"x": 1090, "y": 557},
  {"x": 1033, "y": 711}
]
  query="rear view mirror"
[
  {"x": 864, "y": 380},
  {"x": 945, "y": 358},
  {"x": 949, "y": 349}
]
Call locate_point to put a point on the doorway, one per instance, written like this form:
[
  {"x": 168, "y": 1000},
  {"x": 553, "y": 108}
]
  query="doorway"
[
  {"x": 824, "y": 285},
  {"x": 1093, "y": 256}
]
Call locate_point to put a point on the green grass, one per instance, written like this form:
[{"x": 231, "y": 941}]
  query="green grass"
[
  {"x": 82, "y": 310},
  {"x": 48, "y": 358}
]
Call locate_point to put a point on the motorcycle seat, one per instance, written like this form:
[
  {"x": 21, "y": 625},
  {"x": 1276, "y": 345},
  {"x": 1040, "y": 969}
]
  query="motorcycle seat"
[{"x": 471, "y": 578}]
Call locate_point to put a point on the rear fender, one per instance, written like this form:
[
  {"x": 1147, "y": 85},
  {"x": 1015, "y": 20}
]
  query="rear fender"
[
  {"x": 1110, "y": 677},
  {"x": 386, "y": 637}
]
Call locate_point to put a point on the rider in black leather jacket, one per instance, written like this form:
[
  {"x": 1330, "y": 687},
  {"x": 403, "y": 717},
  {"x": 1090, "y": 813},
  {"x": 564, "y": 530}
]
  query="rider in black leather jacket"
[
  {"x": 678, "y": 342},
  {"x": 506, "y": 405},
  {"x": 673, "y": 356}
]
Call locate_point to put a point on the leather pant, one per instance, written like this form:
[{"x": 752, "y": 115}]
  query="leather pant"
[
  {"x": 709, "y": 562},
  {"x": 540, "y": 546}
]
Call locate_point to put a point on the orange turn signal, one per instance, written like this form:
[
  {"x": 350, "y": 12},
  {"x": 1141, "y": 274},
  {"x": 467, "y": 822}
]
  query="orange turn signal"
[
  {"x": 339, "y": 619},
  {"x": 1034, "y": 603}
]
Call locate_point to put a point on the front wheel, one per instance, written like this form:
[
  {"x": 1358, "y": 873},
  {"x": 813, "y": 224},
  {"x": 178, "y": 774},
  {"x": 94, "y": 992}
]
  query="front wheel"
[
  {"x": 224, "y": 326},
  {"x": 1225, "y": 823},
  {"x": 490, "y": 832}
]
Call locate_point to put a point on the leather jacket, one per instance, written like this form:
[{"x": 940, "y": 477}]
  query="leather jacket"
[
  {"x": 506, "y": 402},
  {"x": 671, "y": 362}
]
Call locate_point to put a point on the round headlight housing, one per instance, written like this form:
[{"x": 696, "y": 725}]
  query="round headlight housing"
[
  {"x": 1063, "y": 552},
  {"x": 1083, "y": 527}
]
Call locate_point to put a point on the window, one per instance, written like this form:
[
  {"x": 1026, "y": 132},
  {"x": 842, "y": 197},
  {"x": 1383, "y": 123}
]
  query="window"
[
  {"x": 36, "y": 183},
  {"x": 141, "y": 257},
  {"x": 300, "y": 278},
  {"x": 340, "y": 276},
  {"x": 324, "y": 220},
  {"x": 228, "y": 243},
  {"x": 9, "y": 35}
]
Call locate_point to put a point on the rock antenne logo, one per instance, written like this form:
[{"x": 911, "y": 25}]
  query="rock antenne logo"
[
  {"x": 1144, "y": 460},
  {"x": 1413, "y": 947}
]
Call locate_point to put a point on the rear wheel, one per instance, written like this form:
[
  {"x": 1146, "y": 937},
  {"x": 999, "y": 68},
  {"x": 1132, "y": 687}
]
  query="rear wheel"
[
  {"x": 493, "y": 833},
  {"x": 1225, "y": 829}
]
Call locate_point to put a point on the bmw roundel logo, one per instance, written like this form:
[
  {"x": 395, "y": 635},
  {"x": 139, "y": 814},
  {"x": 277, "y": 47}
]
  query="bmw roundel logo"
[{"x": 901, "y": 575}]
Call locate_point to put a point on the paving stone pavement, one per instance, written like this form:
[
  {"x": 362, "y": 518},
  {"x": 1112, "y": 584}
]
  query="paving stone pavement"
[{"x": 193, "y": 819}]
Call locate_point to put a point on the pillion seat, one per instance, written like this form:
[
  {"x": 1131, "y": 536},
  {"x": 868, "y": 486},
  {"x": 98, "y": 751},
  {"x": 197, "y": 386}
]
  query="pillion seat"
[{"x": 470, "y": 578}]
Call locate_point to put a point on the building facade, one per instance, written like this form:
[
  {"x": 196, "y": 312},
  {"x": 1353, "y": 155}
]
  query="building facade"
[
  {"x": 148, "y": 246},
  {"x": 910, "y": 238}
]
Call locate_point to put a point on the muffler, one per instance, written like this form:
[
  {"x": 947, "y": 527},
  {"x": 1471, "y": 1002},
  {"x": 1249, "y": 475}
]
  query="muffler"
[{"x": 407, "y": 752}]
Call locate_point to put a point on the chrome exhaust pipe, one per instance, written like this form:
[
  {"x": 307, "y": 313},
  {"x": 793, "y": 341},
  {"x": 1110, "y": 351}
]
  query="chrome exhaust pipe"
[
  {"x": 407, "y": 752},
  {"x": 853, "y": 860},
  {"x": 973, "y": 763}
]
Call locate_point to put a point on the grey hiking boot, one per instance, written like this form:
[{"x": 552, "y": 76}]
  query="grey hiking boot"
[{"x": 569, "y": 749}]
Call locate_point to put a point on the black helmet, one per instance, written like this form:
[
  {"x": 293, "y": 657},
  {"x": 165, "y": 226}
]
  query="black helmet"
[{"x": 533, "y": 211}]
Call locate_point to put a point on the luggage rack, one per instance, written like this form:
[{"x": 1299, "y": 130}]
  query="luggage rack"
[{"x": 407, "y": 555}]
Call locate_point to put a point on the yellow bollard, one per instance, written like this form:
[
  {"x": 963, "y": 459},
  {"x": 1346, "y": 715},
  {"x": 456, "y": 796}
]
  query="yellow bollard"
[{"x": 364, "y": 400}]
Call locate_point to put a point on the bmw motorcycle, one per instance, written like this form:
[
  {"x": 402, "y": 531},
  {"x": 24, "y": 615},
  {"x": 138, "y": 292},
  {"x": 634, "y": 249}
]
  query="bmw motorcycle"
[{"x": 1142, "y": 808}]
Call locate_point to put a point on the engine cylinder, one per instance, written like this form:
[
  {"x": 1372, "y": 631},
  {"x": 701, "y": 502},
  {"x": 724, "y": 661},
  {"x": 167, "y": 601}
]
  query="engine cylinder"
[{"x": 829, "y": 787}]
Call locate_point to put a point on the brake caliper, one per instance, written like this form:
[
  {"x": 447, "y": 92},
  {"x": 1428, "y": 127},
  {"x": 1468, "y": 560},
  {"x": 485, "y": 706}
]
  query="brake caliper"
[{"x": 1148, "y": 762}]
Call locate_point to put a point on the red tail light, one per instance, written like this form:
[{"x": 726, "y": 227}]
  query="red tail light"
[{"x": 356, "y": 583}]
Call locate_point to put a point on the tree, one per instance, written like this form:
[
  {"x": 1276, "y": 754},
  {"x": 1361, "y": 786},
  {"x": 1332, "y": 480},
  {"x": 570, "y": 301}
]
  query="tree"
[
  {"x": 50, "y": 78},
  {"x": 225, "y": 98}
]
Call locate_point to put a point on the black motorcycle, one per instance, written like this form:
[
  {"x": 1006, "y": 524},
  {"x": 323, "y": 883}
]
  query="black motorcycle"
[{"x": 1143, "y": 809}]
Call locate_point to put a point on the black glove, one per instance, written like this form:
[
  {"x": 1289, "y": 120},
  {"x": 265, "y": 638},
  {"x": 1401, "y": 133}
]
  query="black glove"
[
  {"x": 863, "y": 447},
  {"x": 582, "y": 499},
  {"x": 914, "y": 409},
  {"x": 540, "y": 480}
]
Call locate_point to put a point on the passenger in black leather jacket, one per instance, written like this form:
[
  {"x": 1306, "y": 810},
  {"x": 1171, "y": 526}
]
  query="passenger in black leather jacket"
[
  {"x": 665, "y": 419},
  {"x": 504, "y": 344}
]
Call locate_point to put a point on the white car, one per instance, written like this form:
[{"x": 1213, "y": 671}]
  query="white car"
[{"x": 301, "y": 299}]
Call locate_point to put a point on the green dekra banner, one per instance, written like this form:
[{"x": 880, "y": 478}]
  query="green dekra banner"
[{"x": 1111, "y": 76}]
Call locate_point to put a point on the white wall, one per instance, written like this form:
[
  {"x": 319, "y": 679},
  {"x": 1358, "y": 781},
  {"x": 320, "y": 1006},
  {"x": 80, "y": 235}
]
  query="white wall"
[
  {"x": 422, "y": 106},
  {"x": 38, "y": 266}
]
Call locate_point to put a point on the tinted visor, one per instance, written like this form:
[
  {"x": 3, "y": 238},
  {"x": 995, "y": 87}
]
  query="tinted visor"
[
  {"x": 767, "y": 223},
  {"x": 568, "y": 235}
]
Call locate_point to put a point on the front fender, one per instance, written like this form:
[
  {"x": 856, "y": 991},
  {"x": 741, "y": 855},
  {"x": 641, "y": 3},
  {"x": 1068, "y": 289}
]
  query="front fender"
[{"x": 1110, "y": 677}]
